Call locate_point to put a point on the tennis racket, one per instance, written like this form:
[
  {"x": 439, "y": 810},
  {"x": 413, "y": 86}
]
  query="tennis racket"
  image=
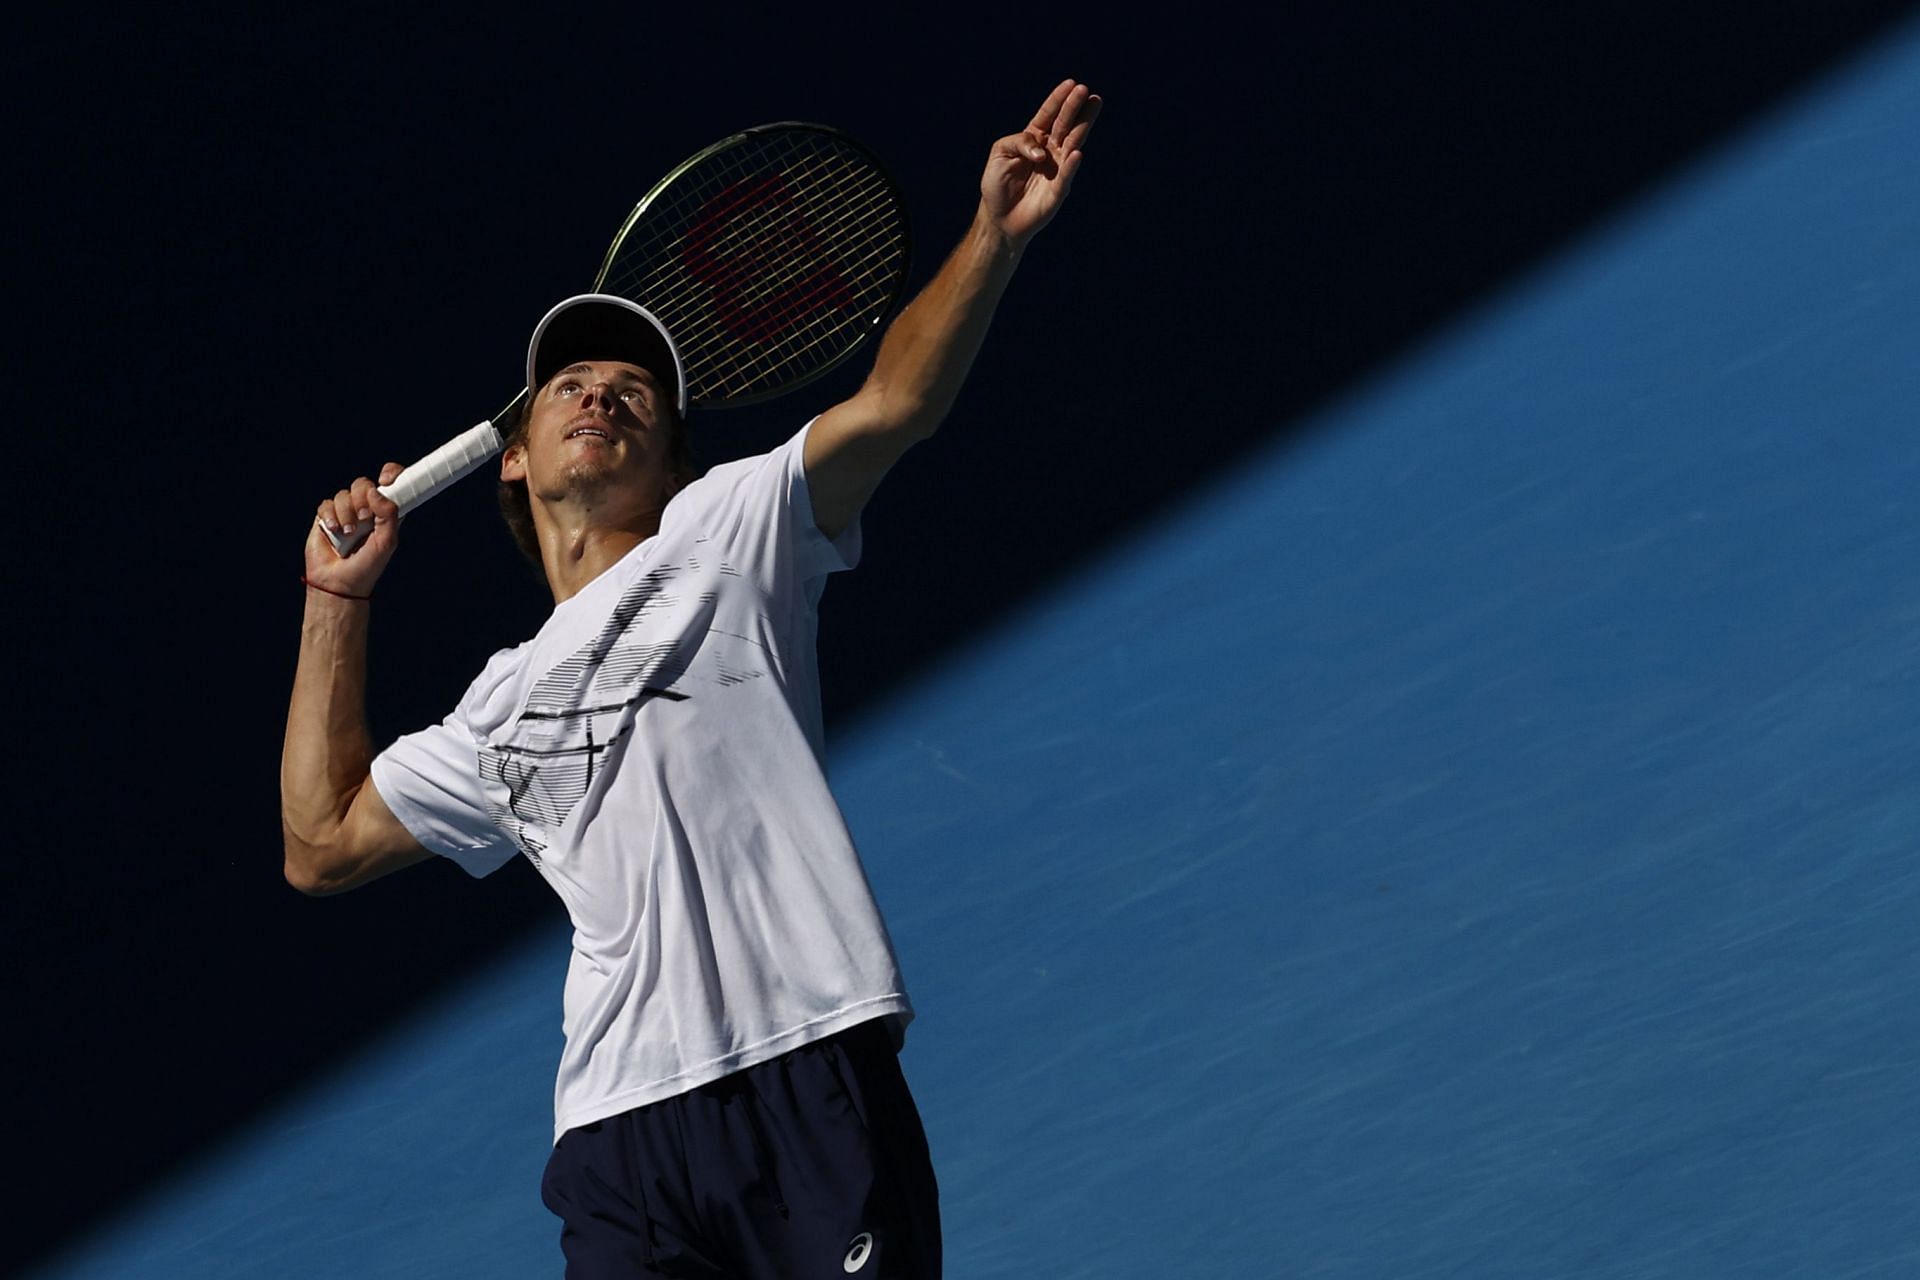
[{"x": 770, "y": 256}]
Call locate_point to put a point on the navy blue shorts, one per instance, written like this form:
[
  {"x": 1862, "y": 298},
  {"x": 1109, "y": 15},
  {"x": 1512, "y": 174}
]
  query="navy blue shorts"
[{"x": 813, "y": 1164}]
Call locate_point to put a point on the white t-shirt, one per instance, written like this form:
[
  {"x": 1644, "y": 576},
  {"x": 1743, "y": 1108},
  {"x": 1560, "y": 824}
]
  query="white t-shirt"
[{"x": 656, "y": 751}]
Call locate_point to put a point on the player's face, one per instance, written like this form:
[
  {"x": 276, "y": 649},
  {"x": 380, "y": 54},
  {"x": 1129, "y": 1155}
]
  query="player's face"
[{"x": 597, "y": 423}]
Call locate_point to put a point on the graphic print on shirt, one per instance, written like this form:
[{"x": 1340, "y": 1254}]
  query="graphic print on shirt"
[{"x": 584, "y": 706}]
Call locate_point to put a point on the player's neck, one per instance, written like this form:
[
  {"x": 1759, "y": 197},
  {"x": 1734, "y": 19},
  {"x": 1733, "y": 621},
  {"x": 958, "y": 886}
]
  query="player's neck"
[{"x": 574, "y": 553}]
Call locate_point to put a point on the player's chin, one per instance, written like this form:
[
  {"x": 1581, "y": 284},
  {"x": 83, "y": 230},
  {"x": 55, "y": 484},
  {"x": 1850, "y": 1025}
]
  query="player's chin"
[
  {"x": 601, "y": 471},
  {"x": 587, "y": 472}
]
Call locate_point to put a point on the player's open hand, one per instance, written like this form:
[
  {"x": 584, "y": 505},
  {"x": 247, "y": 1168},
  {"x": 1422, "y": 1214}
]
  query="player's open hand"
[
  {"x": 1029, "y": 173},
  {"x": 359, "y": 508}
]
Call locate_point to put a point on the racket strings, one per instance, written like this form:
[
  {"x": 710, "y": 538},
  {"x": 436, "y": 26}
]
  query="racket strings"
[
  {"x": 669, "y": 230},
  {"x": 769, "y": 256},
  {"x": 864, "y": 277},
  {"x": 799, "y": 341},
  {"x": 767, "y": 261},
  {"x": 791, "y": 250}
]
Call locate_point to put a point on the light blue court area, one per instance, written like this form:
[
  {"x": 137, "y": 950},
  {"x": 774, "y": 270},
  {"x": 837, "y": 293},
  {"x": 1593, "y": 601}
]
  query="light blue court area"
[{"x": 1481, "y": 841}]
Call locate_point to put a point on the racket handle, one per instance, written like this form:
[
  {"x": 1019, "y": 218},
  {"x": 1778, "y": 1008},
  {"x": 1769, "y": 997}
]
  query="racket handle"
[{"x": 427, "y": 477}]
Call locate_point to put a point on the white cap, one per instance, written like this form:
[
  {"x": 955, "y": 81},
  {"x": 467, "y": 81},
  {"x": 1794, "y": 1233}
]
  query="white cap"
[{"x": 600, "y": 326}]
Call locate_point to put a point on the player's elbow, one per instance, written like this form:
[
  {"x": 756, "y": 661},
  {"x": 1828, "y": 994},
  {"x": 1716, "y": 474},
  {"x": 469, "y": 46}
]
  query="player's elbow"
[
  {"x": 306, "y": 878},
  {"x": 310, "y": 869},
  {"x": 304, "y": 883}
]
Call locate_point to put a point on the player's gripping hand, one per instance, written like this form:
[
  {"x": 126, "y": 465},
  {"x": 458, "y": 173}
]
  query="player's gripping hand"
[{"x": 357, "y": 507}]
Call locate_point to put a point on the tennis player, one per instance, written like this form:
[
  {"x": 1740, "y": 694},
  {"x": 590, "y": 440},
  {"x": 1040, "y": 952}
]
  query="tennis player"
[{"x": 729, "y": 1100}]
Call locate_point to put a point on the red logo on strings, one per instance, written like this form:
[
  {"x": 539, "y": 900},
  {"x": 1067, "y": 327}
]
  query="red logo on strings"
[{"x": 780, "y": 239}]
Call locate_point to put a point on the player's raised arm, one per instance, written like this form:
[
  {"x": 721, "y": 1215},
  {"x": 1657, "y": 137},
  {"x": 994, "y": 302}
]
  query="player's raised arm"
[
  {"x": 929, "y": 348},
  {"x": 338, "y": 832}
]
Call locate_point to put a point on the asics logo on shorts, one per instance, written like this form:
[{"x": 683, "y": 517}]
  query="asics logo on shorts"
[{"x": 858, "y": 1252}]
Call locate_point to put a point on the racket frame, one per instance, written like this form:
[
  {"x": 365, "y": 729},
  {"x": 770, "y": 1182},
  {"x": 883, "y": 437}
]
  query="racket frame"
[{"x": 472, "y": 448}]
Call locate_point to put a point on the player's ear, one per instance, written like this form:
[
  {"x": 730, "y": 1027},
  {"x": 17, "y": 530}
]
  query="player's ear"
[{"x": 513, "y": 463}]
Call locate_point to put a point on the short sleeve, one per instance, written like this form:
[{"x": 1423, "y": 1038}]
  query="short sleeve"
[
  {"x": 816, "y": 555},
  {"x": 760, "y": 511},
  {"x": 431, "y": 781}
]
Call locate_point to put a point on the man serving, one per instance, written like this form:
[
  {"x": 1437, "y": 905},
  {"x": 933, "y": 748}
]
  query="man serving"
[{"x": 729, "y": 1101}]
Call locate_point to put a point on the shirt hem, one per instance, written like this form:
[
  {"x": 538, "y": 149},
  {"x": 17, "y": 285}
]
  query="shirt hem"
[{"x": 739, "y": 1060}]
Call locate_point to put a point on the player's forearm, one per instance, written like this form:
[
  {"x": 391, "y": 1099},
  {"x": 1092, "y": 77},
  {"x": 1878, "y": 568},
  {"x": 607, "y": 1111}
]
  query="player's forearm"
[
  {"x": 930, "y": 348},
  {"x": 328, "y": 749}
]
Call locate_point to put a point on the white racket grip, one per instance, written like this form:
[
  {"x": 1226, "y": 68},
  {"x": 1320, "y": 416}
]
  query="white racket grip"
[{"x": 427, "y": 477}]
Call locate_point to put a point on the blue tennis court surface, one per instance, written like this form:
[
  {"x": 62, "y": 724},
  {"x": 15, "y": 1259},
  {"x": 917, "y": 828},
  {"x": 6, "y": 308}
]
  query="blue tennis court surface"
[{"x": 1477, "y": 842}]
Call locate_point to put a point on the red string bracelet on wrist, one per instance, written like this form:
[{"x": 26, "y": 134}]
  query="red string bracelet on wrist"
[{"x": 330, "y": 591}]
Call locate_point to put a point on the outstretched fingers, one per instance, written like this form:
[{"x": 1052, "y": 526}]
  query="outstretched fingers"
[
  {"x": 1081, "y": 123},
  {"x": 1028, "y": 173},
  {"x": 1080, "y": 107},
  {"x": 1062, "y": 124},
  {"x": 1050, "y": 109}
]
